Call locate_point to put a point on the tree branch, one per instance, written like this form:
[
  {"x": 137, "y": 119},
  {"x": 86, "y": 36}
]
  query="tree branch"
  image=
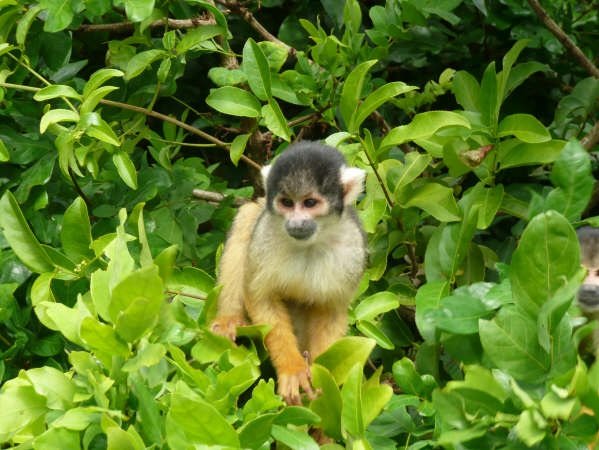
[
  {"x": 564, "y": 38},
  {"x": 592, "y": 138},
  {"x": 128, "y": 27}
]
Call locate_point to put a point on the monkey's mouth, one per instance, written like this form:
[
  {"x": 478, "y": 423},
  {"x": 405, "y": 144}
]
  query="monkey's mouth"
[
  {"x": 588, "y": 298},
  {"x": 301, "y": 232}
]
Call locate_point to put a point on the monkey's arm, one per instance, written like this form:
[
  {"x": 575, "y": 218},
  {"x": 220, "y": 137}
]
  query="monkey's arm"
[
  {"x": 233, "y": 263},
  {"x": 293, "y": 372}
]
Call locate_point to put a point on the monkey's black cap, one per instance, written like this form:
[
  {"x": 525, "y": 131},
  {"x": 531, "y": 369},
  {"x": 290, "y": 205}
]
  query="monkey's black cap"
[{"x": 305, "y": 167}]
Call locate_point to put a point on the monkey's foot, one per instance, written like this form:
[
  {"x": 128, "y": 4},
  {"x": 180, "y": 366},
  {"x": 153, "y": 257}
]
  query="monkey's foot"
[
  {"x": 227, "y": 326},
  {"x": 291, "y": 383}
]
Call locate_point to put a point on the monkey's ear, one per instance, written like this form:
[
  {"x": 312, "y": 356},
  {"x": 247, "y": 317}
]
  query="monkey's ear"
[
  {"x": 265, "y": 171},
  {"x": 352, "y": 180}
]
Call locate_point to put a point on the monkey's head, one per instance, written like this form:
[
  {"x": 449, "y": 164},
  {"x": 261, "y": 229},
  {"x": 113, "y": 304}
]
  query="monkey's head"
[
  {"x": 308, "y": 184},
  {"x": 588, "y": 294}
]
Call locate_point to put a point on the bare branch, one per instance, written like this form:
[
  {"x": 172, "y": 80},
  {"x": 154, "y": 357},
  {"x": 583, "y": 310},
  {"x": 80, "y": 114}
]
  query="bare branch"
[
  {"x": 592, "y": 138},
  {"x": 564, "y": 38},
  {"x": 128, "y": 27}
]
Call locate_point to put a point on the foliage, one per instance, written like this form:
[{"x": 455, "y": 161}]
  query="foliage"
[{"x": 107, "y": 260}]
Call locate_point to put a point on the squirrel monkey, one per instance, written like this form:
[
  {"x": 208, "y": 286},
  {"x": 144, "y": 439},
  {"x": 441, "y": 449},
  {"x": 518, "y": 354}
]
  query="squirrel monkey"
[
  {"x": 293, "y": 260},
  {"x": 588, "y": 294}
]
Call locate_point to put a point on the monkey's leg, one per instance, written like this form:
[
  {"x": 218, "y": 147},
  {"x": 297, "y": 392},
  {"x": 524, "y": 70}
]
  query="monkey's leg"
[
  {"x": 293, "y": 372},
  {"x": 233, "y": 263},
  {"x": 325, "y": 325}
]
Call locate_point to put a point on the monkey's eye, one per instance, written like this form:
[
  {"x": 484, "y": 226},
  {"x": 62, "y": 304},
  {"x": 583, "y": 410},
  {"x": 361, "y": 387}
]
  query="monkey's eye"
[
  {"x": 286, "y": 202},
  {"x": 310, "y": 202}
]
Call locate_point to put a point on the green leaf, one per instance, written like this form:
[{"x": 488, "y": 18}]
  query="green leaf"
[
  {"x": 403, "y": 174},
  {"x": 98, "y": 78},
  {"x": 55, "y": 386},
  {"x": 191, "y": 421},
  {"x": 372, "y": 330},
  {"x": 513, "y": 153},
  {"x": 376, "y": 99},
  {"x": 25, "y": 24},
  {"x": 275, "y": 120},
  {"x": 143, "y": 61},
  {"x": 489, "y": 101},
  {"x": 256, "y": 68},
  {"x": 75, "y": 234},
  {"x": 329, "y": 403},
  {"x": 4, "y": 154},
  {"x": 521, "y": 72},
  {"x": 293, "y": 438},
  {"x": 54, "y": 91},
  {"x": 531, "y": 427},
  {"x": 222, "y": 76},
  {"x": 428, "y": 297},
  {"x": 510, "y": 341},
  {"x": 136, "y": 302},
  {"x": 196, "y": 37},
  {"x": 466, "y": 90},
  {"x": 508, "y": 61},
  {"x": 57, "y": 438},
  {"x": 237, "y": 147},
  {"x": 92, "y": 100},
  {"x": 572, "y": 176},
  {"x": 138, "y": 10},
  {"x": 459, "y": 314},
  {"x": 547, "y": 256},
  {"x": 525, "y": 127},
  {"x": 60, "y": 14},
  {"x": 352, "y": 420},
  {"x": 234, "y": 101},
  {"x": 352, "y": 90},
  {"x": 20, "y": 237},
  {"x": 424, "y": 125},
  {"x": 344, "y": 354},
  {"x": 21, "y": 407},
  {"x": 125, "y": 168},
  {"x": 57, "y": 115},
  {"x": 434, "y": 198},
  {"x": 376, "y": 304}
]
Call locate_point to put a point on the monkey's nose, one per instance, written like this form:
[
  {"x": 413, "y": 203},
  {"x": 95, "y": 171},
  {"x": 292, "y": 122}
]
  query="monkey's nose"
[
  {"x": 588, "y": 297},
  {"x": 301, "y": 230}
]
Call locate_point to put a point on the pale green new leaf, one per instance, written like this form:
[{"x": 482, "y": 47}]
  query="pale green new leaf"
[
  {"x": 466, "y": 90},
  {"x": 57, "y": 115},
  {"x": 434, "y": 198},
  {"x": 98, "y": 78},
  {"x": 344, "y": 354},
  {"x": 237, "y": 147},
  {"x": 125, "y": 168},
  {"x": 143, "y": 61},
  {"x": 75, "y": 234},
  {"x": 54, "y": 91},
  {"x": 94, "y": 97},
  {"x": 138, "y": 10},
  {"x": 275, "y": 120}
]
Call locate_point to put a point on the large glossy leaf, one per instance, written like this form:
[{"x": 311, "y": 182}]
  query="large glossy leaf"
[
  {"x": 547, "y": 256},
  {"x": 573, "y": 179},
  {"x": 20, "y": 237},
  {"x": 54, "y": 91},
  {"x": 424, "y": 125},
  {"x": 525, "y": 127},
  {"x": 60, "y": 14},
  {"x": 234, "y": 101},
  {"x": 434, "y": 198},
  {"x": 466, "y": 90},
  {"x": 428, "y": 298},
  {"x": 513, "y": 153},
  {"x": 344, "y": 354},
  {"x": 138, "y": 10},
  {"x": 510, "y": 341}
]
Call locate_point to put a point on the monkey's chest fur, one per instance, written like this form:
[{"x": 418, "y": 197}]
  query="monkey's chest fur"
[{"x": 324, "y": 271}]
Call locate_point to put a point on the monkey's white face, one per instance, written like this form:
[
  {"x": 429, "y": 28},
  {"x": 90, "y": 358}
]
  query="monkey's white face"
[{"x": 301, "y": 213}]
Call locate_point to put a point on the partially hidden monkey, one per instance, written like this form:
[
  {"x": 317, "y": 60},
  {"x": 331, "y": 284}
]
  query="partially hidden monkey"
[
  {"x": 293, "y": 260},
  {"x": 588, "y": 294}
]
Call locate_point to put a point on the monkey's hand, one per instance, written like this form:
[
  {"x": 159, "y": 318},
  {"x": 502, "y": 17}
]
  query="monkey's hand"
[
  {"x": 227, "y": 326},
  {"x": 290, "y": 384}
]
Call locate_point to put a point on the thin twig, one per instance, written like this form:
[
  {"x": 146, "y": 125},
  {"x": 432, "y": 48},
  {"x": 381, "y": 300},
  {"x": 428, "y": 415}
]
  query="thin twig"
[
  {"x": 127, "y": 27},
  {"x": 380, "y": 180},
  {"x": 185, "y": 126},
  {"x": 215, "y": 197},
  {"x": 246, "y": 14},
  {"x": 564, "y": 38}
]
